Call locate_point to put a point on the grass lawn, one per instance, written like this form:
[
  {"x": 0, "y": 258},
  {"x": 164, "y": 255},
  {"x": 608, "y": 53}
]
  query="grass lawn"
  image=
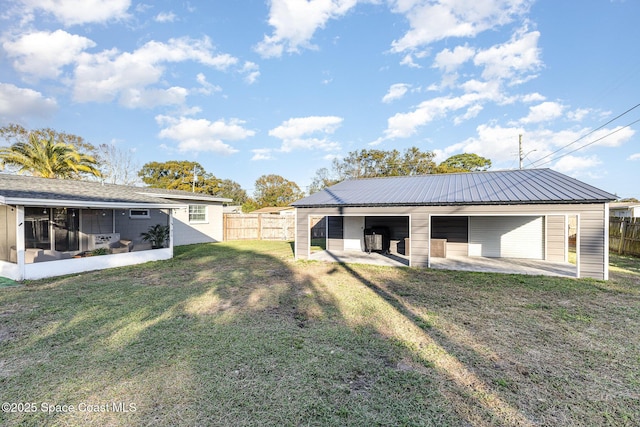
[{"x": 240, "y": 334}]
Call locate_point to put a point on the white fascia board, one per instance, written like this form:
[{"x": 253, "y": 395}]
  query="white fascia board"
[
  {"x": 89, "y": 204},
  {"x": 180, "y": 196}
]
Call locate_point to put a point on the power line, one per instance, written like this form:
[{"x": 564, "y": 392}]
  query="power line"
[
  {"x": 591, "y": 143},
  {"x": 582, "y": 137}
]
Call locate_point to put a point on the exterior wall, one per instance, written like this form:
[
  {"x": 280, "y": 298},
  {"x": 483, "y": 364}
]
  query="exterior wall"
[
  {"x": 130, "y": 228},
  {"x": 593, "y": 244},
  {"x": 592, "y": 227},
  {"x": 186, "y": 233},
  {"x": 557, "y": 229},
  {"x": 61, "y": 267},
  {"x": 93, "y": 222},
  {"x": 7, "y": 231}
]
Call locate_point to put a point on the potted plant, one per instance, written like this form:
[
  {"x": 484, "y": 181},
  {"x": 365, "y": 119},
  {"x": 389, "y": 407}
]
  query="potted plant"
[{"x": 157, "y": 235}]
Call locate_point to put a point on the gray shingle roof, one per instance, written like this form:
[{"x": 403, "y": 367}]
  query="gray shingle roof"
[
  {"x": 92, "y": 193},
  {"x": 494, "y": 187}
]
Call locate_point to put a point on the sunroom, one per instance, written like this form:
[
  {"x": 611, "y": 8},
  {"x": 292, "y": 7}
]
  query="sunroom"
[{"x": 55, "y": 227}]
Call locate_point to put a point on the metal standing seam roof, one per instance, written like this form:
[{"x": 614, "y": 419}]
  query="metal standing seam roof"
[
  {"x": 524, "y": 186},
  {"x": 34, "y": 189}
]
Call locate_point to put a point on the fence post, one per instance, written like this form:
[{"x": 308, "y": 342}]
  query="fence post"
[
  {"x": 623, "y": 227},
  {"x": 259, "y": 226}
]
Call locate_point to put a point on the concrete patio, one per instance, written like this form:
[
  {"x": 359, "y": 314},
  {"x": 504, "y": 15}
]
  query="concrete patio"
[{"x": 479, "y": 264}]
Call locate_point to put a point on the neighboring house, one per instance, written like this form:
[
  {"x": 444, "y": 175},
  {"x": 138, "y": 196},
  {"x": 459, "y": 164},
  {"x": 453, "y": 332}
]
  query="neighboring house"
[
  {"x": 232, "y": 209},
  {"x": 504, "y": 214},
  {"x": 63, "y": 221},
  {"x": 624, "y": 209},
  {"x": 276, "y": 210}
]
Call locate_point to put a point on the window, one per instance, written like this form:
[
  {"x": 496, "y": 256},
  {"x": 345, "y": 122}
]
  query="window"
[
  {"x": 139, "y": 214},
  {"x": 197, "y": 213}
]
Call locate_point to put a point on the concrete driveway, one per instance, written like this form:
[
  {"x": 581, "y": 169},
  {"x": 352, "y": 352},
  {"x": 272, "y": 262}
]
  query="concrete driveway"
[{"x": 480, "y": 264}]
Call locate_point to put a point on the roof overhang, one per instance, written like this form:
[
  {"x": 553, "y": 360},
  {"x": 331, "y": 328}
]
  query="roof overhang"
[
  {"x": 391, "y": 205},
  {"x": 186, "y": 197},
  {"x": 88, "y": 204}
]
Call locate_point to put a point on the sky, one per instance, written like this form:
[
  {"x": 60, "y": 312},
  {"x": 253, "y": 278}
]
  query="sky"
[{"x": 254, "y": 87}]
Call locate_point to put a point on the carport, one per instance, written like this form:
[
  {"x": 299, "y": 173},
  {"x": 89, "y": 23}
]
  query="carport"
[{"x": 509, "y": 216}]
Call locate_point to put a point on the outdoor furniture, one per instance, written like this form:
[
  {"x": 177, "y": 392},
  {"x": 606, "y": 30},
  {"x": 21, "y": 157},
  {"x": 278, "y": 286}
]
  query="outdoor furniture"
[{"x": 121, "y": 246}]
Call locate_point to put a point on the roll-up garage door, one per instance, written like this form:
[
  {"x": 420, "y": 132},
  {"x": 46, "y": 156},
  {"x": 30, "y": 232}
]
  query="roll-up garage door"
[{"x": 507, "y": 236}]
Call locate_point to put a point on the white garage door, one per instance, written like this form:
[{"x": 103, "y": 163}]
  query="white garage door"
[
  {"x": 507, "y": 237},
  {"x": 354, "y": 233}
]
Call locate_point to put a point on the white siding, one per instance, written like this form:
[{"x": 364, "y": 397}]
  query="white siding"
[
  {"x": 354, "y": 233},
  {"x": 186, "y": 233},
  {"x": 506, "y": 237}
]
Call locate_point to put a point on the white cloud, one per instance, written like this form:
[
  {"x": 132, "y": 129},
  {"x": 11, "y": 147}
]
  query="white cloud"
[
  {"x": 449, "y": 60},
  {"x": 296, "y": 133},
  {"x": 579, "y": 114},
  {"x": 572, "y": 165},
  {"x": 609, "y": 137},
  {"x": 635, "y": 156},
  {"x": 107, "y": 75},
  {"x": 163, "y": 17},
  {"x": 149, "y": 98},
  {"x": 431, "y": 21},
  {"x": 73, "y": 12},
  {"x": 43, "y": 54},
  {"x": 202, "y": 134},
  {"x": 251, "y": 72},
  {"x": 207, "y": 88},
  {"x": 544, "y": 112},
  {"x": 295, "y": 21},
  {"x": 404, "y": 125},
  {"x": 17, "y": 104},
  {"x": 262, "y": 154},
  {"x": 512, "y": 60},
  {"x": 471, "y": 112},
  {"x": 533, "y": 97},
  {"x": 396, "y": 91}
]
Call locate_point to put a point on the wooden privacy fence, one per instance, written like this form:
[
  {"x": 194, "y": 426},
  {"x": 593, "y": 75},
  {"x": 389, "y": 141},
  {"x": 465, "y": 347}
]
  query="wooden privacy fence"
[
  {"x": 624, "y": 235},
  {"x": 259, "y": 227}
]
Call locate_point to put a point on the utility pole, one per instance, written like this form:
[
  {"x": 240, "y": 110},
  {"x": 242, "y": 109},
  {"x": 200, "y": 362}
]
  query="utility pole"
[
  {"x": 520, "y": 152},
  {"x": 195, "y": 179}
]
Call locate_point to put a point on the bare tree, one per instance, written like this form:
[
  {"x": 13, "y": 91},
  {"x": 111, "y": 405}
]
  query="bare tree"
[{"x": 118, "y": 166}]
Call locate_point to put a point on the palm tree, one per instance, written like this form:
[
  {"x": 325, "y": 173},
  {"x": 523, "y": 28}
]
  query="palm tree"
[{"x": 47, "y": 159}]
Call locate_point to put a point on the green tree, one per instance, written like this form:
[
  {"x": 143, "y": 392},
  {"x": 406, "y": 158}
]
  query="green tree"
[
  {"x": 47, "y": 158},
  {"x": 232, "y": 190},
  {"x": 322, "y": 180},
  {"x": 466, "y": 162},
  {"x": 179, "y": 175},
  {"x": 274, "y": 190},
  {"x": 14, "y": 133},
  {"x": 173, "y": 175},
  {"x": 374, "y": 163}
]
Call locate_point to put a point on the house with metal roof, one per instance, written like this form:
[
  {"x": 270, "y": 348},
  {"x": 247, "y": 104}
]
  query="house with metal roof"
[
  {"x": 511, "y": 215},
  {"x": 51, "y": 227}
]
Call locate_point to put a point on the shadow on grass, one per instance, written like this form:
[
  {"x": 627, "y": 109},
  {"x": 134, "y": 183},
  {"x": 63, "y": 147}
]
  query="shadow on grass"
[
  {"x": 237, "y": 334},
  {"x": 474, "y": 400},
  {"x": 219, "y": 335}
]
